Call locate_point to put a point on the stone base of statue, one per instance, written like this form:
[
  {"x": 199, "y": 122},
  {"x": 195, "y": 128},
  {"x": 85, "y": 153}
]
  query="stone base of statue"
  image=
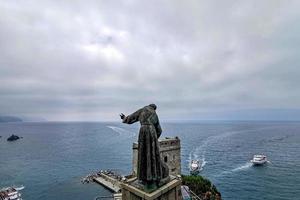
[{"x": 169, "y": 191}]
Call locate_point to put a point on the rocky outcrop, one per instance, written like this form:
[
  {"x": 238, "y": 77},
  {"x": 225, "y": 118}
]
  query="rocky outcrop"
[{"x": 13, "y": 138}]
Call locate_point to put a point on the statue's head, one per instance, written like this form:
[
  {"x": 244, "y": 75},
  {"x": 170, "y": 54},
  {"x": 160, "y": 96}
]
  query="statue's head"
[{"x": 153, "y": 106}]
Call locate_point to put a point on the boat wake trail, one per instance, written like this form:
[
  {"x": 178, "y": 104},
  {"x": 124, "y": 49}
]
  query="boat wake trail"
[
  {"x": 200, "y": 151},
  {"x": 194, "y": 155},
  {"x": 239, "y": 168},
  {"x": 203, "y": 163},
  {"x": 242, "y": 167},
  {"x": 121, "y": 131},
  {"x": 213, "y": 140}
]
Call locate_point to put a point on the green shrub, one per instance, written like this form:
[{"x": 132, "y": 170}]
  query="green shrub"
[{"x": 200, "y": 185}]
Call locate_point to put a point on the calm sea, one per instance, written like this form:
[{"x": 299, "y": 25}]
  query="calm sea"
[{"x": 52, "y": 157}]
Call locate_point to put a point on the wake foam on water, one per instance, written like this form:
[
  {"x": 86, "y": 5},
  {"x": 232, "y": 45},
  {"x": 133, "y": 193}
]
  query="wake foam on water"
[
  {"x": 239, "y": 168},
  {"x": 203, "y": 162},
  {"x": 200, "y": 151},
  {"x": 242, "y": 167},
  {"x": 121, "y": 131},
  {"x": 194, "y": 155}
]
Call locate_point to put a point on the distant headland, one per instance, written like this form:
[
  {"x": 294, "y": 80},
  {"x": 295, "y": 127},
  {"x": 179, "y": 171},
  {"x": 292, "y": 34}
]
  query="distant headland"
[{"x": 4, "y": 119}]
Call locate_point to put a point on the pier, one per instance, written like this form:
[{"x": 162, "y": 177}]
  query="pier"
[{"x": 109, "y": 182}]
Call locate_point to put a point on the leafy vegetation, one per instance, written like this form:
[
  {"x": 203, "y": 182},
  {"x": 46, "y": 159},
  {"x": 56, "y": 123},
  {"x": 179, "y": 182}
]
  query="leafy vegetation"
[{"x": 201, "y": 187}]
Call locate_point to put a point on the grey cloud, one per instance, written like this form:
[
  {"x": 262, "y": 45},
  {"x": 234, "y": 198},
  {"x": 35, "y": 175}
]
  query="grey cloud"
[{"x": 90, "y": 60}]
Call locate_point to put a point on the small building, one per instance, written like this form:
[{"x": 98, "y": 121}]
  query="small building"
[{"x": 169, "y": 152}]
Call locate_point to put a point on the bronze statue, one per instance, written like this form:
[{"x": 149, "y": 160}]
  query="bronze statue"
[{"x": 150, "y": 168}]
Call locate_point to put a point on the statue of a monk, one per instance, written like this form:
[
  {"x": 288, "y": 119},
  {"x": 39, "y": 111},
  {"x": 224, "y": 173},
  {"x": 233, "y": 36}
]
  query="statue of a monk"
[{"x": 150, "y": 167}]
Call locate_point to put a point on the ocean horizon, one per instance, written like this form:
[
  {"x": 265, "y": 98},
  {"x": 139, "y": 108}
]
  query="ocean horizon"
[{"x": 52, "y": 157}]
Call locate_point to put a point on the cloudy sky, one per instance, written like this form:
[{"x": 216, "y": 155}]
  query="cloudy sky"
[{"x": 91, "y": 60}]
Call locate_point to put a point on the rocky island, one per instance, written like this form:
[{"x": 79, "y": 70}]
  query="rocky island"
[{"x": 13, "y": 138}]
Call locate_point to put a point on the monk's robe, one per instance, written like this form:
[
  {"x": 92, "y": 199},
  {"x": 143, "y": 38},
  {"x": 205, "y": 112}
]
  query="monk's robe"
[{"x": 150, "y": 168}]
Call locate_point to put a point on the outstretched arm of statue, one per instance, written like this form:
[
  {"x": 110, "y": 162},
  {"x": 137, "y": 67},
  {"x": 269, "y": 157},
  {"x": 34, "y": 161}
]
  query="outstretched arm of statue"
[
  {"x": 122, "y": 116},
  {"x": 132, "y": 118}
]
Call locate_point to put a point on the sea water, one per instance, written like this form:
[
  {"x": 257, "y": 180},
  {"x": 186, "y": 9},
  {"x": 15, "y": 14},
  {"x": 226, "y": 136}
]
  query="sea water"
[{"x": 52, "y": 157}]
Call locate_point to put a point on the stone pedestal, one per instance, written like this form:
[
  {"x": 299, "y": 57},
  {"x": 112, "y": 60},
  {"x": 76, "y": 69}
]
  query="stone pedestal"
[{"x": 169, "y": 191}]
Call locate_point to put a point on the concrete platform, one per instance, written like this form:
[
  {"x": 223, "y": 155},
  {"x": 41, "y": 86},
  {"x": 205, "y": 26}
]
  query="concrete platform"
[{"x": 108, "y": 182}]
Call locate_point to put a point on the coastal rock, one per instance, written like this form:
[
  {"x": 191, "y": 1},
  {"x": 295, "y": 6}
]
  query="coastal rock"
[{"x": 13, "y": 138}]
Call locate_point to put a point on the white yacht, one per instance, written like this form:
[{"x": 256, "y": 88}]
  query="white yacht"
[
  {"x": 195, "y": 167},
  {"x": 259, "y": 159},
  {"x": 11, "y": 193}
]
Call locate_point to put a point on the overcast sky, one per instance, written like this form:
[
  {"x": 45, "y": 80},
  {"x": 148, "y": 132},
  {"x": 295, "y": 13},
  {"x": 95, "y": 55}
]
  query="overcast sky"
[{"x": 91, "y": 60}]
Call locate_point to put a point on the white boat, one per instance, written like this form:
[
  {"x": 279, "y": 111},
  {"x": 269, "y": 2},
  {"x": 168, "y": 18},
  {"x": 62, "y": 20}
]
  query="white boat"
[
  {"x": 21, "y": 187},
  {"x": 195, "y": 167},
  {"x": 259, "y": 159},
  {"x": 11, "y": 193}
]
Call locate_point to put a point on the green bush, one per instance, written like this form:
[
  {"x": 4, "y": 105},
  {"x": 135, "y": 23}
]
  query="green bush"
[{"x": 200, "y": 185}]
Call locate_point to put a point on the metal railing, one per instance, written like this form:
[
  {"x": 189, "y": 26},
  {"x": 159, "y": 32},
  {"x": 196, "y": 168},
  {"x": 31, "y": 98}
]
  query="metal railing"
[{"x": 194, "y": 196}]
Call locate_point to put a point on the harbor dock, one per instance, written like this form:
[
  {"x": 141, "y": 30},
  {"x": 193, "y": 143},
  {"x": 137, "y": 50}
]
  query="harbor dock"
[
  {"x": 109, "y": 182},
  {"x": 109, "y": 179}
]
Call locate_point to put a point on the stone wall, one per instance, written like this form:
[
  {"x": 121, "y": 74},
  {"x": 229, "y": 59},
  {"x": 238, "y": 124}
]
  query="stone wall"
[
  {"x": 169, "y": 152},
  {"x": 170, "y": 191}
]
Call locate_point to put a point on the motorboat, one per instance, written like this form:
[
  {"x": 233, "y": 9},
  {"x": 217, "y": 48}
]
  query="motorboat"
[
  {"x": 195, "y": 167},
  {"x": 11, "y": 193},
  {"x": 259, "y": 159}
]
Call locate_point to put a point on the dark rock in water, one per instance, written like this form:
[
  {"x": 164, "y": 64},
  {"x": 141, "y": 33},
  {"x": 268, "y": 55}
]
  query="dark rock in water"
[{"x": 13, "y": 138}]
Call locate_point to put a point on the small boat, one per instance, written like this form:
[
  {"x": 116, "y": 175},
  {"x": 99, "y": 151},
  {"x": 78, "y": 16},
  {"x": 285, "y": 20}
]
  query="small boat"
[
  {"x": 259, "y": 159},
  {"x": 195, "y": 167},
  {"x": 21, "y": 187},
  {"x": 11, "y": 193}
]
